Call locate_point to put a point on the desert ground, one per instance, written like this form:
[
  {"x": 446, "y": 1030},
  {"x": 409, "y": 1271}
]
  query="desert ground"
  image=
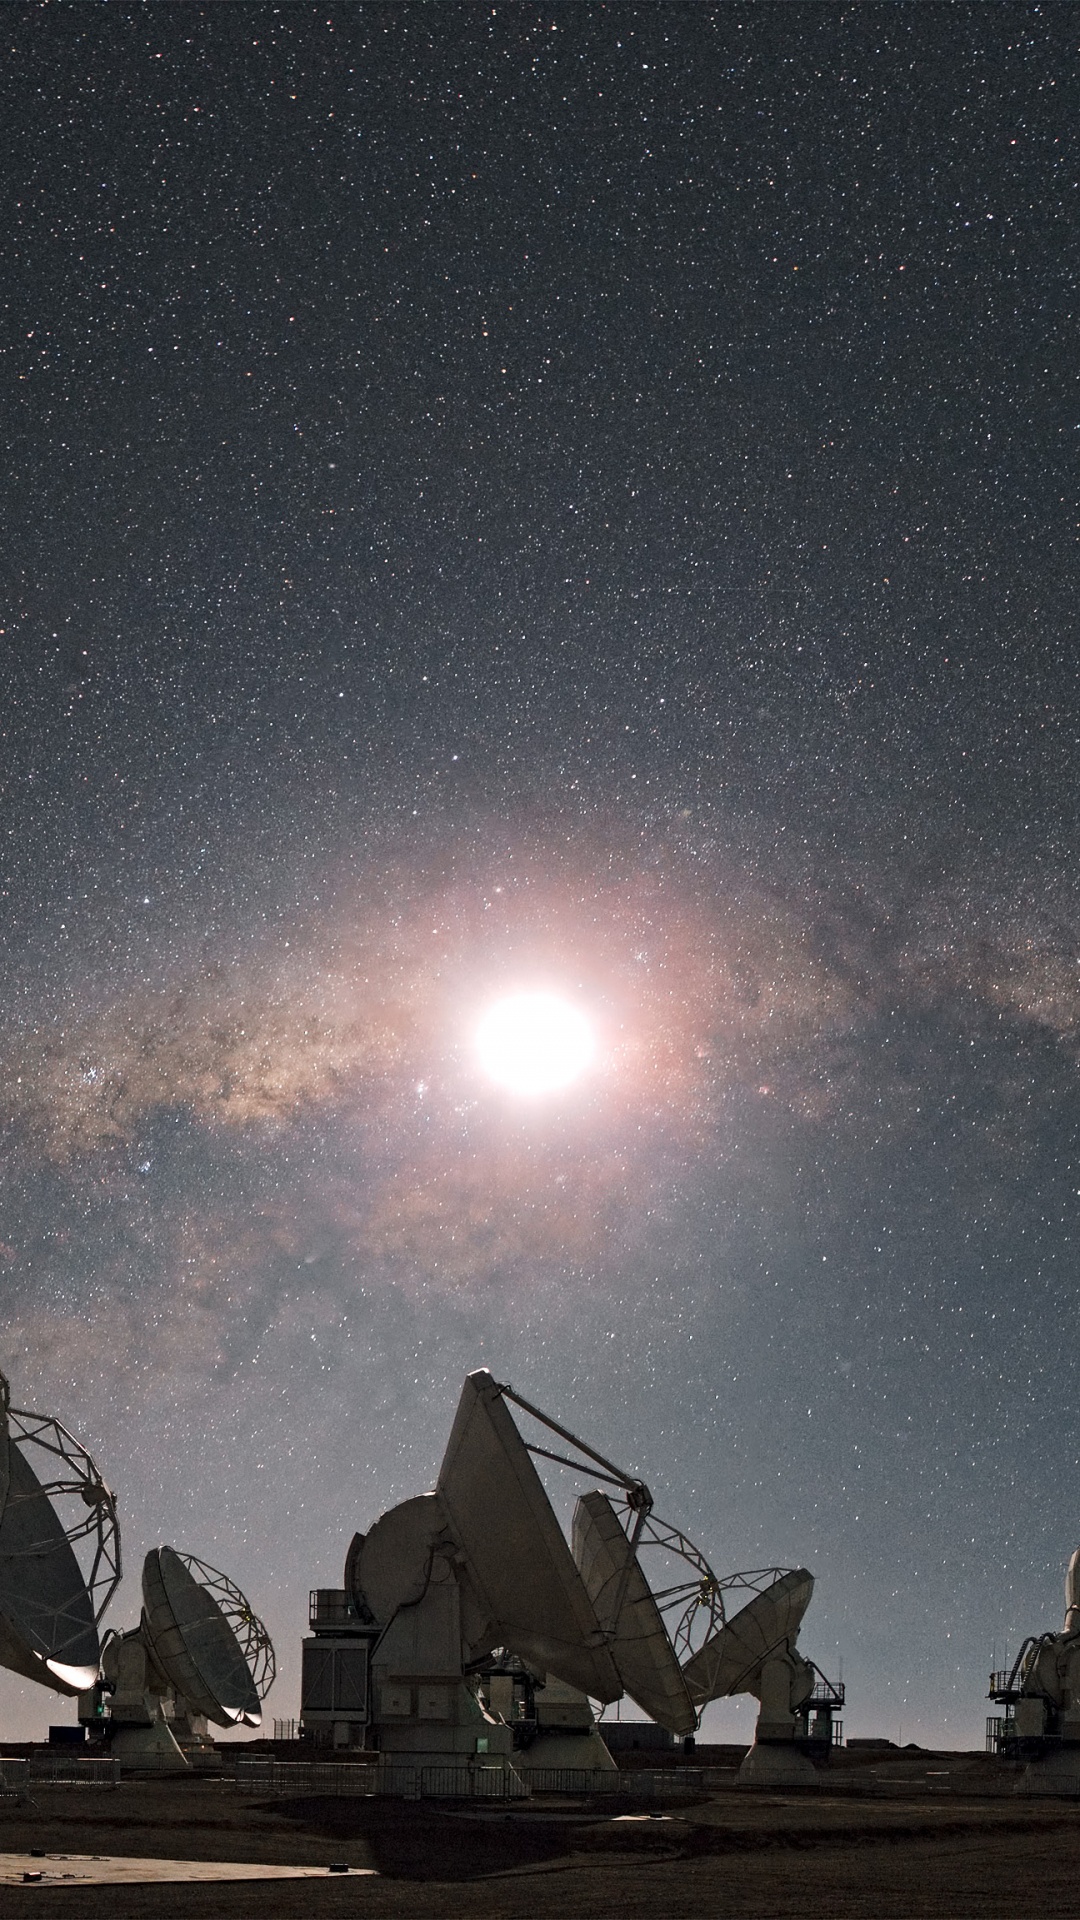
[{"x": 908, "y": 1834}]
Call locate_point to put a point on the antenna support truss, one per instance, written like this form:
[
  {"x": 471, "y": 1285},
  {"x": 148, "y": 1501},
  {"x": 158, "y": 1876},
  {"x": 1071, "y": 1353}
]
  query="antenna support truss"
[
  {"x": 72, "y": 1473},
  {"x": 255, "y": 1642},
  {"x": 637, "y": 1493}
]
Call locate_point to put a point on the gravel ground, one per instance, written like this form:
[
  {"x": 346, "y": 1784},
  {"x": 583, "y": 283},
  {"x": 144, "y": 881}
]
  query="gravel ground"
[{"x": 866, "y": 1844}]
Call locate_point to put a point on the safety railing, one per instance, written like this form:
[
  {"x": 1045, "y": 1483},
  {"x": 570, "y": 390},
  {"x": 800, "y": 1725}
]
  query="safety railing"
[
  {"x": 259, "y": 1773},
  {"x": 1000, "y": 1733},
  {"x": 640, "y": 1783},
  {"x": 58, "y": 1770},
  {"x": 452, "y": 1783}
]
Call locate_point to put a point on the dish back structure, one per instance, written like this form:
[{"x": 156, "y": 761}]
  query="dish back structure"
[{"x": 52, "y": 1597}]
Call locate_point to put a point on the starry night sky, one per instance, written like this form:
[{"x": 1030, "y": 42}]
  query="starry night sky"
[{"x": 582, "y": 495}]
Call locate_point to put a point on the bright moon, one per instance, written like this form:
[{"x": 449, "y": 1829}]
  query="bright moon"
[{"x": 534, "y": 1043}]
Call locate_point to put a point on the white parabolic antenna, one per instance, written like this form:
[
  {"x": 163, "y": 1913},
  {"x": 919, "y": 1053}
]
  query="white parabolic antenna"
[
  {"x": 516, "y": 1558},
  {"x": 640, "y": 1644},
  {"x": 50, "y": 1604},
  {"x": 205, "y": 1638},
  {"x": 588, "y": 1617},
  {"x": 730, "y": 1658},
  {"x": 393, "y": 1561}
]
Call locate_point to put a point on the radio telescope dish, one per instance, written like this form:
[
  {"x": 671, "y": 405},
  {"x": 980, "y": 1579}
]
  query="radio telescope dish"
[
  {"x": 205, "y": 1638},
  {"x": 393, "y": 1565},
  {"x": 517, "y": 1560},
  {"x": 730, "y": 1657},
  {"x": 50, "y": 1604},
  {"x": 640, "y": 1645}
]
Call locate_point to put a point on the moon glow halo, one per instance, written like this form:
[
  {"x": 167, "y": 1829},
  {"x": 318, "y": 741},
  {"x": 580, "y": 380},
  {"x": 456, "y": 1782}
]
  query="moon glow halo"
[{"x": 534, "y": 1043}]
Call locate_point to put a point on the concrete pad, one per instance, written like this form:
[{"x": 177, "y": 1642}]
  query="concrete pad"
[{"x": 102, "y": 1869}]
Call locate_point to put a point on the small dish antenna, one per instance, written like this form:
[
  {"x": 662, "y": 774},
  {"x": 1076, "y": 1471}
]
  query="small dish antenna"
[
  {"x": 205, "y": 1638},
  {"x": 199, "y": 1653},
  {"x": 732, "y": 1657},
  {"x": 53, "y": 1501}
]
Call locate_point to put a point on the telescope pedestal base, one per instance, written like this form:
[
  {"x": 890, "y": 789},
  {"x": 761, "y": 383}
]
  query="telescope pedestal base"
[
  {"x": 565, "y": 1751},
  {"x": 152, "y": 1748},
  {"x": 776, "y": 1764},
  {"x": 1052, "y": 1774}
]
